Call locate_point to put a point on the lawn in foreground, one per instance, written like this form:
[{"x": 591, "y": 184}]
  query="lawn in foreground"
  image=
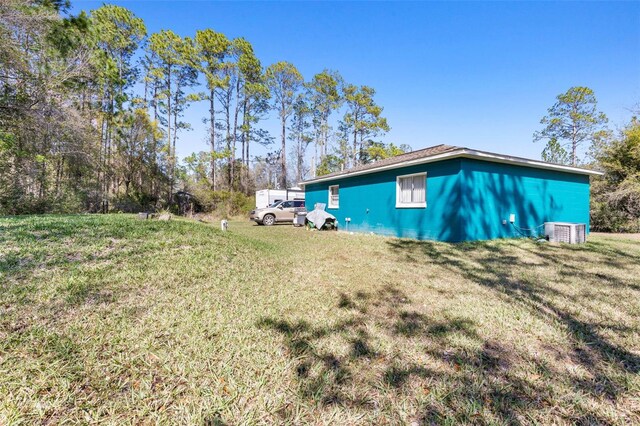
[{"x": 112, "y": 319}]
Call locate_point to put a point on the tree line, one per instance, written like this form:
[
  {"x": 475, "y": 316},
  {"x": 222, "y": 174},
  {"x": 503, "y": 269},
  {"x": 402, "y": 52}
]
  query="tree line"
[
  {"x": 577, "y": 134},
  {"x": 92, "y": 108}
]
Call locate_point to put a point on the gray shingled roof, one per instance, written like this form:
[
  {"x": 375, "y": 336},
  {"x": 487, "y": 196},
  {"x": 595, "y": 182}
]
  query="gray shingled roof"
[{"x": 409, "y": 156}]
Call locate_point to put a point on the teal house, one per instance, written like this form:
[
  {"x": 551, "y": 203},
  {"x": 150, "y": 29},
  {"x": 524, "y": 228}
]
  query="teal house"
[{"x": 454, "y": 194}]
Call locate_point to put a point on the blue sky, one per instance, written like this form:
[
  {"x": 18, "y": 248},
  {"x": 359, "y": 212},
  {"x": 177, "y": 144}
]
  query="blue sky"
[{"x": 472, "y": 74}]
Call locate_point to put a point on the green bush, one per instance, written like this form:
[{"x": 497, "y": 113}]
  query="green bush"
[
  {"x": 604, "y": 218},
  {"x": 227, "y": 203},
  {"x": 68, "y": 202},
  {"x": 223, "y": 203},
  {"x": 17, "y": 203},
  {"x": 133, "y": 203},
  {"x": 615, "y": 205}
]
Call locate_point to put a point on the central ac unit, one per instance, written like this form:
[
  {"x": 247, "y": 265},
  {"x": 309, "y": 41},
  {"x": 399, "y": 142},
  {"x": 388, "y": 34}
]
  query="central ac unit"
[{"x": 565, "y": 232}]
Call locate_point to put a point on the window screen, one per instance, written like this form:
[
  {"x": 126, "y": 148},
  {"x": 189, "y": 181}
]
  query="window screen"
[
  {"x": 412, "y": 191},
  {"x": 334, "y": 196}
]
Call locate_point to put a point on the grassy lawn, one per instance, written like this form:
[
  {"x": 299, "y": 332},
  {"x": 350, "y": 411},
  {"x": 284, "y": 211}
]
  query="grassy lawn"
[{"x": 108, "y": 319}]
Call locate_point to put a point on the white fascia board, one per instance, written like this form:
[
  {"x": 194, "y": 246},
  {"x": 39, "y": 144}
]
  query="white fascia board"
[
  {"x": 507, "y": 159},
  {"x": 425, "y": 160},
  {"x": 463, "y": 153}
]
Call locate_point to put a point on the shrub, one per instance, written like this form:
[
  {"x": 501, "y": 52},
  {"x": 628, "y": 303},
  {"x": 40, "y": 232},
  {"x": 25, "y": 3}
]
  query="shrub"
[
  {"x": 607, "y": 219},
  {"x": 222, "y": 203}
]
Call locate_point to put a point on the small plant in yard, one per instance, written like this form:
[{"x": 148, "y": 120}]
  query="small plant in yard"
[{"x": 111, "y": 319}]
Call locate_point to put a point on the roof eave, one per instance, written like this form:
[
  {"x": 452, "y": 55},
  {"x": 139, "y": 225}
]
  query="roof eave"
[
  {"x": 465, "y": 153},
  {"x": 526, "y": 162}
]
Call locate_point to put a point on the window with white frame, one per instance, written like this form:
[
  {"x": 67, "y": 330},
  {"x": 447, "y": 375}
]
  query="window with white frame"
[
  {"x": 411, "y": 191},
  {"x": 334, "y": 197}
]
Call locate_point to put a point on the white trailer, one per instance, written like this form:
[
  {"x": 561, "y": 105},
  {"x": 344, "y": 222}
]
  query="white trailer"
[{"x": 269, "y": 196}]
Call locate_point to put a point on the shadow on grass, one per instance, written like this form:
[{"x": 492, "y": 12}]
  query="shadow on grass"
[
  {"x": 349, "y": 364},
  {"x": 356, "y": 375},
  {"x": 603, "y": 359}
]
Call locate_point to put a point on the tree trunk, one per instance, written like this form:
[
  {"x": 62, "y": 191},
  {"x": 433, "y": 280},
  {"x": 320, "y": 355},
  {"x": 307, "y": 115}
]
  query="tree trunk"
[
  {"x": 154, "y": 187},
  {"x": 243, "y": 142},
  {"x": 227, "y": 110},
  {"x": 299, "y": 159},
  {"x": 171, "y": 159},
  {"x": 107, "y": 161},
  {"x": 234, "y": 136},
  {"x": 102, "y": 156},
  {"x": 574, "y": 146},
  {"x": 355, "y": 146},
  {"x": 212, "y": 136},
  {"x": 59, "y": 164},
  {"x": 246, "y": 156},
  {"x": 315, "y": 156},
  {"x": 283, "y": 155}
]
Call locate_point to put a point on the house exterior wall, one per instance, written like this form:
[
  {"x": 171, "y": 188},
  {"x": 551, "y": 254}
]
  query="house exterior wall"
[
  {"x": 492, "y": 191},
  {"x": 370, "y": 201},
  {"x": 467, "y": 200}
]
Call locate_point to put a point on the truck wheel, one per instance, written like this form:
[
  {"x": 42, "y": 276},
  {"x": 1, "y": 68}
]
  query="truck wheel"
[{"x": 269, "y": 219}]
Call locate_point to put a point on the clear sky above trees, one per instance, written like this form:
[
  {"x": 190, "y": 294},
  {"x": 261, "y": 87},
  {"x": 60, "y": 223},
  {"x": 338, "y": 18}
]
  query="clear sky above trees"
[{"x": 474, "y": 74}]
